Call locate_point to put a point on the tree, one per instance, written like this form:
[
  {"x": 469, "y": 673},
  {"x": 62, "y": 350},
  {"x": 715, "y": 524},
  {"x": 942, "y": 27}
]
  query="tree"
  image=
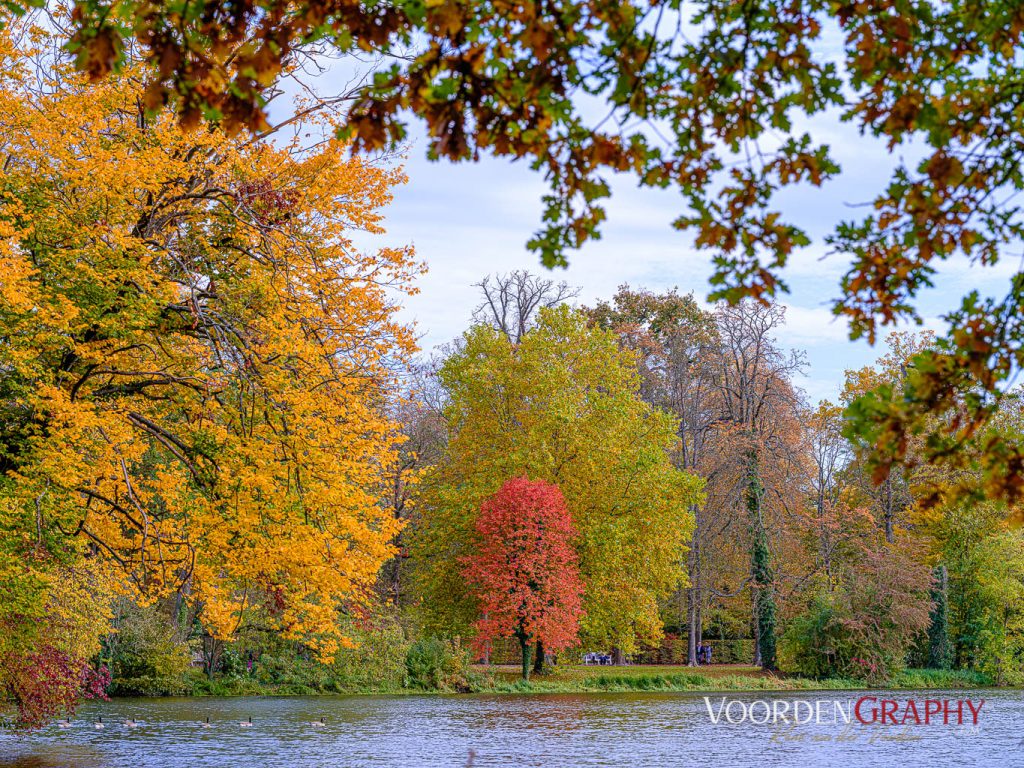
[
  {"x": 1001, "y": 582},
  {"x": 759, "y": 414},
  {"x": 836, "y": 521},
  {"x": 727, "y": 382},
  {"x": 675, "y": 342},
  {"x": 940, "y": 652},
  {"x": 890, "y": 497},
  {"x": 195, "y": 361},
  {"x": 420, "y": 446},
  {"x": 524, "y": 569},
  {"x": 51, "y": 624},
  {"x": 511, "y": 302},
  {"x": 561, "y": 406}
]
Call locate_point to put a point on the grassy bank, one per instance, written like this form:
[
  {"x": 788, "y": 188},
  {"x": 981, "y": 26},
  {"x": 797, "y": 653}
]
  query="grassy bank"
[
  {"x": 583, "y": 679},
  {"x": 714, "y": 678}
]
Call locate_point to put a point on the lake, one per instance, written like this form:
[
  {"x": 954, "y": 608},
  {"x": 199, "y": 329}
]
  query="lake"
[{"x": 552, "y": 730}]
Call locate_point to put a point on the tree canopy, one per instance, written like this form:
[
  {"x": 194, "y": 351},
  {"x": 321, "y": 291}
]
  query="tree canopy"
[
  {"x": 525, "y": 570},
  {"x": 194, "y": 358},
  {"x": 716, "y": 99},
  {"x": 560, "y": 406}
]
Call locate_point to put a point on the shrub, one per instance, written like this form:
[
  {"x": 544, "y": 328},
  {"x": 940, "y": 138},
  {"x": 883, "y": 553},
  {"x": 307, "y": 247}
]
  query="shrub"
[
  {"x": 866, "y": 628},
  {"x": 378, "y": 660},
  {"x": 817, "y": 643},
  {"x": 434, "y": 664},
  {"x": 146, "y": 659}
]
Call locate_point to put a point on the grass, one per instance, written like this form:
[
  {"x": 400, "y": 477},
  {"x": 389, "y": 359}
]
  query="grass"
[
  {"x": 721, "y": 677},
  {"x": 595, "y": 679}
]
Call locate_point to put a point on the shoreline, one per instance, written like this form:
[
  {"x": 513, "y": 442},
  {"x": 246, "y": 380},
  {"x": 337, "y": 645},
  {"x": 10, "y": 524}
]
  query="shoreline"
[{"x": 581, "y": 680}]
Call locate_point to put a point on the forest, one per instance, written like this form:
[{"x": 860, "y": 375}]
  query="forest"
[{"x": 227, "y": 468}]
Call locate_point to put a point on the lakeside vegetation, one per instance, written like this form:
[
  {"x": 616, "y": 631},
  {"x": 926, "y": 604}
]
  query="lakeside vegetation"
[{"x": 573, "y": 679}]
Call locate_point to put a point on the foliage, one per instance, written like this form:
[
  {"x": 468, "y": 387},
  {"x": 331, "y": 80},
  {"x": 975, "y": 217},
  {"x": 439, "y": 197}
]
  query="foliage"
[
  {"x": 145, "y": 656},
  {"x": 48, "y": 682},
  {"x": 816, "y": 642},
  {"x": 561, "y": 406},
  {"x": 960, "y": 536},
  {"x": 194, "y": 358},
  {"x": 940, "y": 651},
  {"x": 46, "y": 656},
  {"x": 1002, "y": 590},
  {"x": 731, "y": 86},
  {"x": 434, "y": 664},
  {"x": 524, "y": 570},
  {"x": 865, "y": 628}
]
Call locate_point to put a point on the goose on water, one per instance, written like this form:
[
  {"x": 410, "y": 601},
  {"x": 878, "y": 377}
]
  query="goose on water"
[
  {"x": 98, "y": 725},
  {"x": 246, "y": 724}
]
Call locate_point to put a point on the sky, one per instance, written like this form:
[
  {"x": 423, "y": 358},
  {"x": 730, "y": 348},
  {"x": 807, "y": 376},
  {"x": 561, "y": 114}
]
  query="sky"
[{"x": 469, "y": 220}]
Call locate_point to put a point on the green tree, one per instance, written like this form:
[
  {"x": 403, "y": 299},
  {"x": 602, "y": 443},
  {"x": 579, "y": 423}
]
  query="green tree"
[
  {"x": 560, "y": 406},
  {"x": 676, "y": 344},
  {"x": 940, "y": 652},
  {"x": 764, "y": 586},
  {"x": 1001, "y": 582}
]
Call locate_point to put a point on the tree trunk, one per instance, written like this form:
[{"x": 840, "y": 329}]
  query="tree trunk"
[
  {"x": 939, "y": 651},
  {"x": 691, "y": 639},
  {"x": 755, "y": 627},
  {"x": 538, "y": 662},
  {"x": 693, "y": 603},
  {"x": 764, "y": 602},
  {"x": 888, "y": 511},
  {"x": 487, "y": 649},
  {"x": 525, "y": 647},
  {"x": 700, "y": 621},
  {"x": 761, "y": 573}
]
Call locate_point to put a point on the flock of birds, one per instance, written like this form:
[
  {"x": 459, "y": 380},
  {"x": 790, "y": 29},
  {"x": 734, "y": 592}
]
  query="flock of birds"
[{"x": 131, "y": 722}]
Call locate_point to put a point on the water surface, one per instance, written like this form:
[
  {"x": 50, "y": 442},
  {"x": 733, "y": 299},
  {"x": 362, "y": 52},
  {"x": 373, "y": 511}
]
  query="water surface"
[{"x": 552, "y": 730}]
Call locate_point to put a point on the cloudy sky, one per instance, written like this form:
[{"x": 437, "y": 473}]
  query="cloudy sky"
[{"x": 470, "y": 220}]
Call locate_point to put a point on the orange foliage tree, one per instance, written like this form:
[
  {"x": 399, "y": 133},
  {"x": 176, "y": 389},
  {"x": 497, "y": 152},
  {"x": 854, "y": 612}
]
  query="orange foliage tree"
[{"x": 195, "y": 359}]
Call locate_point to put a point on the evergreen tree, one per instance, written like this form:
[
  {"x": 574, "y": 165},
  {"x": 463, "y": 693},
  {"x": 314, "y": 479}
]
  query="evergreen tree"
[
  {"x": 761, "y": 568},
  {"x": 940, "y": 653}
]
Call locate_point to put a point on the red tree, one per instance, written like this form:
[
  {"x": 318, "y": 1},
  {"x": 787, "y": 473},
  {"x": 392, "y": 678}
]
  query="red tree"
[{"x": 525, "y": 571}]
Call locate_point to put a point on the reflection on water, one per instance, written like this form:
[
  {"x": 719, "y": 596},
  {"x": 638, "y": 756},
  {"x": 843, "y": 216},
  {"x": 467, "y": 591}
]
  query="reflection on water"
[{"x": 543, "y": 730}]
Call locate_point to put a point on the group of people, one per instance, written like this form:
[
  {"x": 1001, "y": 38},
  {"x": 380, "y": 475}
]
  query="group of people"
[
  {"x": 703, "y": 654},
  {"x": 598, "y": 658}
]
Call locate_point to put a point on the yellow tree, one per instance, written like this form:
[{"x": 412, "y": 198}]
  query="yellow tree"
[
  {"x": 195, "y": 360},
  {"x": 562, "y": 405}
]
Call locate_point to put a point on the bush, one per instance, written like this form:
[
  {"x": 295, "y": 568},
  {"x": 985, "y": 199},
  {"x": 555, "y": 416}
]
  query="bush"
[
  {"x": 289, "y": 671},
  {"x": 378, "y": 660},
  {"x": 145, "y": 657},
  {"x": 817, "y": 643},
  {"x": 435, "y": 665},
  {"x": 866, "y": 628}
]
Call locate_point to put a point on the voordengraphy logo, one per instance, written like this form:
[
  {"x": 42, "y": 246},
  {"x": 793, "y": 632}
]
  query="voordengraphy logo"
[{"x": 867, "y": 710}]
